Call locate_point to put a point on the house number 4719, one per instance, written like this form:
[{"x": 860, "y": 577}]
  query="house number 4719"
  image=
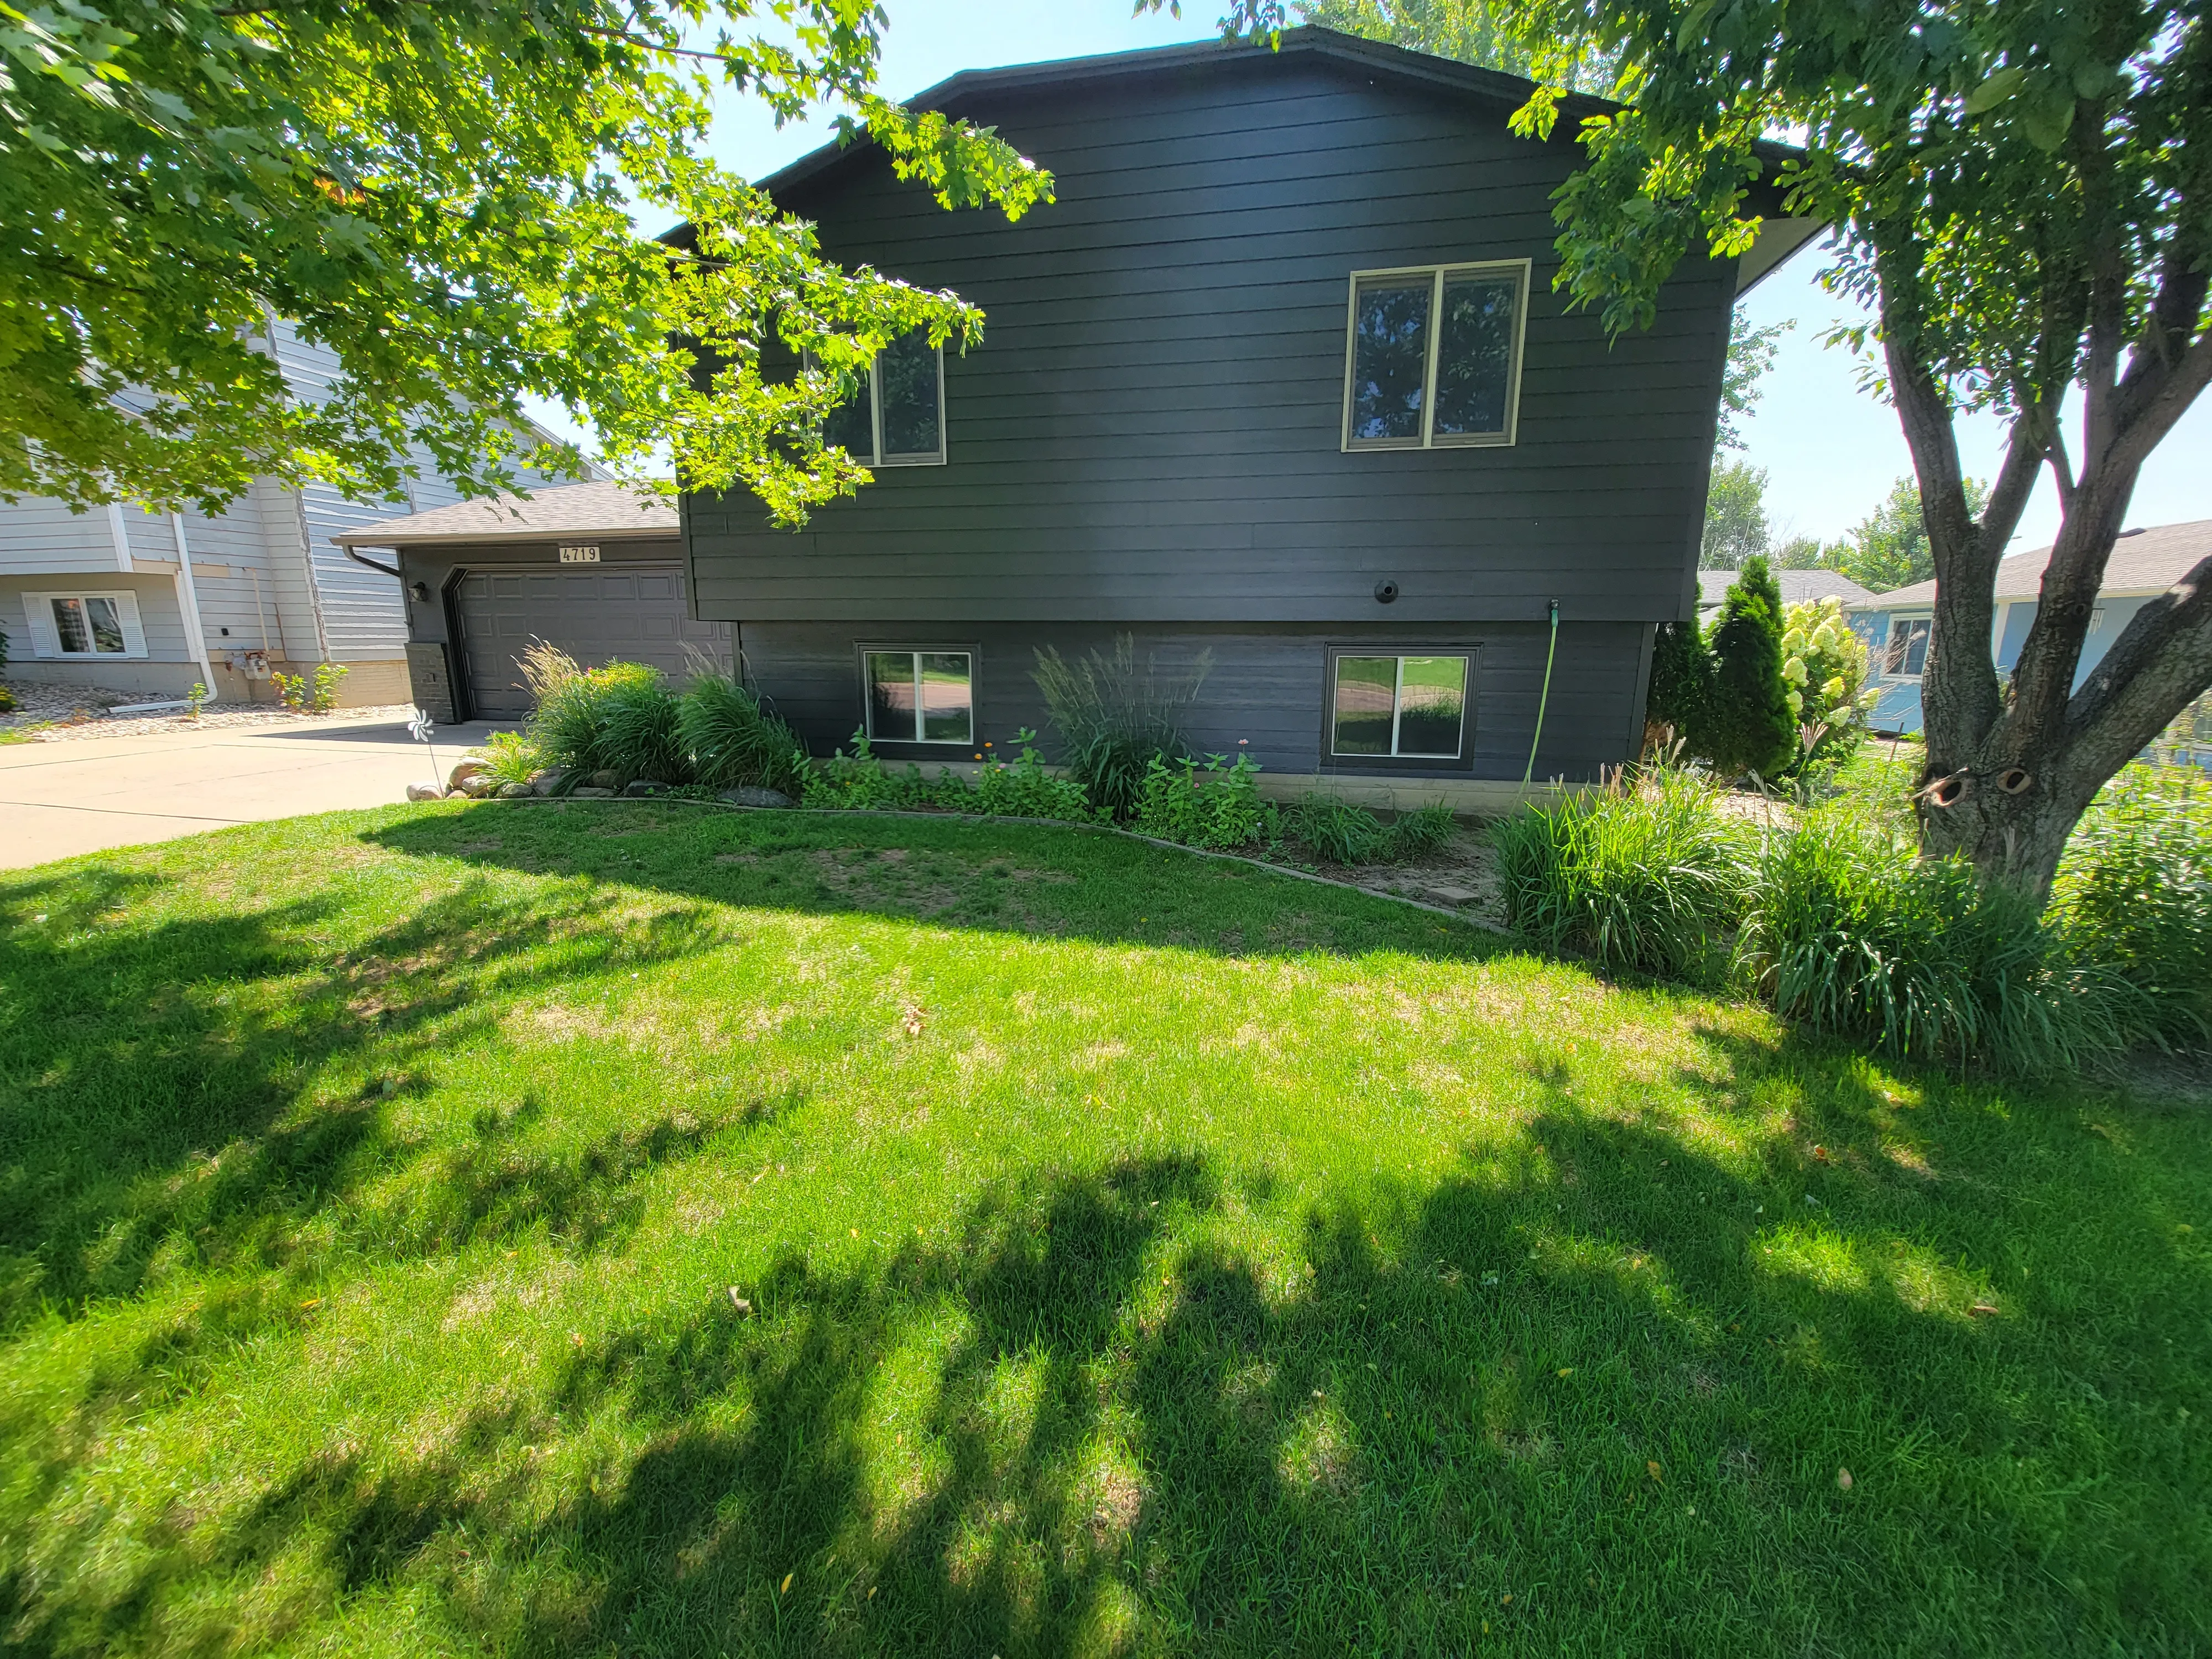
[{"x": 579, "y": 555}]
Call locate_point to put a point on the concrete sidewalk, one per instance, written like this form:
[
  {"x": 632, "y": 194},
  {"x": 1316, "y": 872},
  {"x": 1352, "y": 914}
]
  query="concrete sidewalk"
[{"x": 87, "y": 793}]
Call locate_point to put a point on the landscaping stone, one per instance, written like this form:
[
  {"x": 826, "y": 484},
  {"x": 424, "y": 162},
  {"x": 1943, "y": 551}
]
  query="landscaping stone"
[
  {"x": 425, "y": 792},
  {"x": 753, "y": 795},
  {"x": 638, "y": 788},
  {"x": 546, "y": 781},
  {"x": 478, "y": 785},
  {"x": 608, "y": 781},
  {"x": 590, "y": 792},
  {"x": 459, "y": 777},
  {"x": 515, "y": 791},
  {"x": 1454, "y": 895}
]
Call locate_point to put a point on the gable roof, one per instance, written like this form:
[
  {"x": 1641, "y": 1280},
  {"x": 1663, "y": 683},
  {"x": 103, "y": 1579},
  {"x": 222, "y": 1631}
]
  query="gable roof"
[
  {"x": 1796, "y": 586},
  {"x": 2143, "y": 562},
  {"x": 611, "y": 511},
  {"x": 956, "y": 95}
]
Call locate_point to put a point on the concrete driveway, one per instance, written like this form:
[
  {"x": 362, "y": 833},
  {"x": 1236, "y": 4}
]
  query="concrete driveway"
[{"x": 81, "y": 794}]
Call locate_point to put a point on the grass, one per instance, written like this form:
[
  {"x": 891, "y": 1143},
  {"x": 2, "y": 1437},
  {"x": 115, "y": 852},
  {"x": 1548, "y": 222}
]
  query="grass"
[{"x": 1141, "y": 1253}]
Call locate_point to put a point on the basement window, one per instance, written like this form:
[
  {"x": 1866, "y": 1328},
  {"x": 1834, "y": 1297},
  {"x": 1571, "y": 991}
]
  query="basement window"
[
  {"x": 898, "y": 419},
  {"x": 1400, "y": 707},
  {"x": 921, "y": 696},
  {"x": 87, "y": 625},
  {"x": 1433, "y": 356}
]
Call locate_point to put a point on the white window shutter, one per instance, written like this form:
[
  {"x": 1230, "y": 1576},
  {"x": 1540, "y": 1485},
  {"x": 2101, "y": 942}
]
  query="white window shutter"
[
  {"x": 38, "y": 611},
  {"x": 134, "y": 631}
]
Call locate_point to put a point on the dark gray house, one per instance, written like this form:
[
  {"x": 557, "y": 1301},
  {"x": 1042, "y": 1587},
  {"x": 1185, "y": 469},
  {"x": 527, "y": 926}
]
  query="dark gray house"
[{"x": 1281, "y": 378}]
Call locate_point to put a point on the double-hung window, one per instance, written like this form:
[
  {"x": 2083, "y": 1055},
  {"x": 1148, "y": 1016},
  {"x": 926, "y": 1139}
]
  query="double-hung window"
[
  {"x": 920, "y": 696},
  {"x": 898, "y": 418},
  {"x": 89, "y": 625},
  {"x": 1433, "y": 360},
  {"x": 1907, "y": 652},
  {"x": 1398, "y": 708}
]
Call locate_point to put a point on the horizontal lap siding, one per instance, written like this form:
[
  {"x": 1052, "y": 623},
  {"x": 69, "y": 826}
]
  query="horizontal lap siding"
[
  {"x": 1266, "y": 688},
  {"x": 1149, "y": 430}
]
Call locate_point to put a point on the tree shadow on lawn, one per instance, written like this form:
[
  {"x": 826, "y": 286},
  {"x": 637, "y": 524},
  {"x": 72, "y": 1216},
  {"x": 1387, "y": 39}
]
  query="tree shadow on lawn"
[
  {"x": 1037, "y": 880},
  {"x": 1577, "y": 1396},
  {"x": 167, "y": 1089}
]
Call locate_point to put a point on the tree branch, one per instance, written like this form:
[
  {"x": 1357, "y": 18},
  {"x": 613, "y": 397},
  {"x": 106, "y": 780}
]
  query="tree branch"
[
  {"x": 2062, "y": 472},
  {"x": 2158, "y": 666}
]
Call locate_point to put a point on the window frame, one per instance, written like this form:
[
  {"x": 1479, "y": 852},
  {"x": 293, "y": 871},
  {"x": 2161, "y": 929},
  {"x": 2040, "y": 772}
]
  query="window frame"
[
  {"x": 876, "y": 459},
  {"x": 1902, "y": 626},
  {"x": 1333, "y": 760},
  {"x": 863, "y": 649},
  {"x": 46, "y": 643},
  {"x": 1524, "y": 273}
]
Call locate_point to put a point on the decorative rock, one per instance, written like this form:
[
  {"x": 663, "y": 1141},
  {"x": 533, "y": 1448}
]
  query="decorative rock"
[
  {"x": 637, "y": 788},
  {"x": 515, "y": 791},
  {"x": 608, "y": 781},
  {"x": 546, "y": 781},
  {"x": 588, "y": 792},
  {"x": 477, "y": 784},
  {"x": 1452, "y": 895},
  {"x": 425, "y": 792},
  {"x": 459, "y": 777},
  {"x": 753, "y": 795}
]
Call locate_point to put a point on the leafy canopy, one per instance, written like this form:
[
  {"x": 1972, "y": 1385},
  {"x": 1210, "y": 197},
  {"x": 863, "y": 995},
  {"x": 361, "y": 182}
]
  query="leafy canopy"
[
  {"x": 440, "y": 195},
  {"x": 1736, "y": 516}
]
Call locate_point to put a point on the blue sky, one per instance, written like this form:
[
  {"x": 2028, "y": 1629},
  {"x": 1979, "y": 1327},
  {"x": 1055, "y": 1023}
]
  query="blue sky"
[{"x": 1830, "y": 450}]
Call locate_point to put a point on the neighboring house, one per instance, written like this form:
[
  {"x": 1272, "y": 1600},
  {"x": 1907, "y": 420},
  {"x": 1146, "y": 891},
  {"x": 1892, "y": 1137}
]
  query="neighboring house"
[
  {"x": 127, "y": 600},
  {"x": 1797, "y": 586},
  {"x": 1896, "y": 625},
  {"x": 596, "y": 569},
  {"x": 1281, "y": 378}
]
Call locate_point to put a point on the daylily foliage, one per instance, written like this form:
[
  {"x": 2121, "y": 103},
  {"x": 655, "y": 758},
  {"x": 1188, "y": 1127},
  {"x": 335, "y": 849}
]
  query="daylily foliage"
[{"x": 443, "y": 196}]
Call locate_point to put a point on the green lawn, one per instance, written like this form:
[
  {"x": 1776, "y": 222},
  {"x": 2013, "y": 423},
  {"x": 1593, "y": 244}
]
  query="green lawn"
[{"x": 1143, "y": 1253}]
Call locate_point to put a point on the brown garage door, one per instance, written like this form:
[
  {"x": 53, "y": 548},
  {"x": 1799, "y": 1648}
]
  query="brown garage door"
[{"x": 635, "y": 612}]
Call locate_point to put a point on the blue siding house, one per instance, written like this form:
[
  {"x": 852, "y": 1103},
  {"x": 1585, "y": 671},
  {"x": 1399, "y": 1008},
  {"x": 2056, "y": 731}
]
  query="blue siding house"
[{"x": 1895, "y": 625}]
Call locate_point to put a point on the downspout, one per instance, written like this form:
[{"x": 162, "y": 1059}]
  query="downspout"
[
  {"x": 188, "y": 601},
  {"x": 381, "y": 569}
]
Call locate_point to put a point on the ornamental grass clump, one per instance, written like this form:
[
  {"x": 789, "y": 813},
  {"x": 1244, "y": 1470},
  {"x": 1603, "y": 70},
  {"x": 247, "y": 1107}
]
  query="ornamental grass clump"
[
  {"x": 733, "y": 742},
  {"x": 2135, "y": 894},
  {"x": 1113, "y": 717},
  {"x": 508, "y": 757},
  {"x": 619, "y": 719},
  {"x": 1647, "y": 874},
  {"x": 1338, "y": 831},
  {"x": 1850, "y": 931}
]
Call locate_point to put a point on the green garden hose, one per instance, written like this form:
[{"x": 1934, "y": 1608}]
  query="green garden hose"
[{"x": 1544, "y": 701}]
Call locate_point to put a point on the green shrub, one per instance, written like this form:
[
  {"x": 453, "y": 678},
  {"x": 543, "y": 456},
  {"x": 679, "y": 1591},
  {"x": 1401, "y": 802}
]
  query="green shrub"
[
  {"x": 1747, "y": 724},
  {"x": 1824, "y": 664},
  {"x": 1215, "y": 805},
  {"x": 1113, "y": 717},
  {"x": 508, "y": 757},
  {"x": 620, "y": 719},
  {"x": 1681, "y": 678},
  {"x": 2135, "y": 894},
  {"x": 860, "y": 782},
  {"x": 1648, "y": 873},
  {"x": 1850, "y": 931},
  {"x": 1026, "y": 790},
  {"x": 731, "y": 741},
  {"x": 1339, "y": 832}
]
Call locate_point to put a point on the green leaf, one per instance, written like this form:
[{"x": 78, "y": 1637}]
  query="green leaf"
[{"x": 1995, "y": 89}]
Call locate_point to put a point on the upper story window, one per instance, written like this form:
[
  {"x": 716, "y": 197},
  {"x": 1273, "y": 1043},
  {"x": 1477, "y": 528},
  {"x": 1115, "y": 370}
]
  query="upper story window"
[
  {"x": 1433, "y": 360},
  {"x": 898, "y": 419},
  {"x": 1907, "y": 652}
]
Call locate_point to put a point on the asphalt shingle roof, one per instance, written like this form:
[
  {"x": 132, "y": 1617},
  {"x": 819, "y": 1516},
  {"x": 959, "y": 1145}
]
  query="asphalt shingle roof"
[
  {"x": 2143, "y": 562},
  {"x": 1796, "y": 586},
  {"x": 611, "y": 511}
]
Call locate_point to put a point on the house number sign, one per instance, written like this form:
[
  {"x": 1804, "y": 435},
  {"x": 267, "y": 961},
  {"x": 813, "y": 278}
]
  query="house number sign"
[{"x": 585, "y": 555}]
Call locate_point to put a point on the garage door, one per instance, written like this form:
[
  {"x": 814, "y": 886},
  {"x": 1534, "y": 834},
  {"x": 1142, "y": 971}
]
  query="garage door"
[{"x": 638, "y": 613}]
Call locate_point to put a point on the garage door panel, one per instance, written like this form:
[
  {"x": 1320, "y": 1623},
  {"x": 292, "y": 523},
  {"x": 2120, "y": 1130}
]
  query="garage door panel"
[{"x": 637, "y": 614}]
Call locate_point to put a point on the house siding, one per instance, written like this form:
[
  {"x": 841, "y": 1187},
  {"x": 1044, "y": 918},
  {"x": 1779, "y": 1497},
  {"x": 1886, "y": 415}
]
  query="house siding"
[
  {"x": 1151, "y": 430},
  {"x": 1150, "y": 434},
  {"x": 1265, "y": 690}
]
